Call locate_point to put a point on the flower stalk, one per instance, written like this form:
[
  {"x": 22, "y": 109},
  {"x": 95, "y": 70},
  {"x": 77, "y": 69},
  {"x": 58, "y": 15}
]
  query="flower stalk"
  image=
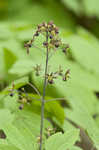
[{"x": 43, "y": 97}]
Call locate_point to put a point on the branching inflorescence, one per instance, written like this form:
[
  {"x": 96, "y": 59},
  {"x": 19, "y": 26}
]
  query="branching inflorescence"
[
  {"x": 51, "y": 33},
  {"x": 51, "y": 42}
]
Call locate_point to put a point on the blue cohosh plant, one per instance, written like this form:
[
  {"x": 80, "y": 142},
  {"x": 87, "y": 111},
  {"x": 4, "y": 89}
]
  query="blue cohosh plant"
[{"x": 52, "y": 42}]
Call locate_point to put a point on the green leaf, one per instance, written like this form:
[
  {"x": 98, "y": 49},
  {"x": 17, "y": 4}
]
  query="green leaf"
[
  {"x": 9, "y": 59},
  {"x": 5, "y": 32},
  {"x": 41, "y": 13},
  {"x": 61, "y": 141},
  {"x": 22, "y": 67},
  {"x": 67, "y": 126},
  {"x": 81, "y": 117},
  {"x": 97, "y": 121},
  {"x": 6, "y": 117},
  {"x": 85, "y": 7},
  {"x": 14, "y": 46},
  {"x": 93, "y": 9},
  {"x": 52, "y": 108},
  {"x": 8, "y": 147},
  {"x": 73, "y": 5},
  {"x": 11, "y": 102},
  {"x": 23, "y": 30},
  {"x": 55, "y": 110},
  {"x": 75, "y": 92},
  {"x": 76, "y": 148},
  {"x": 19, "y": 139},
  {"x": 82, "y": 49},
  {"x": 29, "y": 121}
]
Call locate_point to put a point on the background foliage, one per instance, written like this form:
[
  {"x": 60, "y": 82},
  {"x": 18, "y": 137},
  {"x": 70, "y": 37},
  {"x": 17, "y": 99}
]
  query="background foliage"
[{"x": 78, "y": 116}]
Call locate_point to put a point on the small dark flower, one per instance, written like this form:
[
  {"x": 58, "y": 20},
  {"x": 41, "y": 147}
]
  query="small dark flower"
[
  {"x": 64, "y": 50},
  {"x": 21, "y": 106},
  {"x": 50, "y": 81},
  {"x": 51, "y": 77},
  {"x": 57, "y": 45},
  {"x": 50, "y": 36},
  {"x": 45, "y": 43},
  {"x": 11, "y": 94},
  {"x": 66, "y": 76},
  {"x": 27, "y": 45},
  {"x": 30, "y": 45},
  {"x": 20, "y": 97},
  {"x": 2, "y": 134}
]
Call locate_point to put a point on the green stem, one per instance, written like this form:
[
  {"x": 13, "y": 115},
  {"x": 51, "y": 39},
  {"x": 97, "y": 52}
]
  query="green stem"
[{"x": 43, "y": 97}]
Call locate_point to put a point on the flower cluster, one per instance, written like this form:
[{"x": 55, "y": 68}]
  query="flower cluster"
[
  {"x": 53, "y": 75},
  {"x": 54, "y": 41},
  {"x": 23, "y": 97},
  {"x": 51, "y": 32}
]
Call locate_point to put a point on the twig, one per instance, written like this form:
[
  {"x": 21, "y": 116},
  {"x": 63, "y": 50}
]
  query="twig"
[
  {"x": 36, "y": 90},
  {"x": 55, "y": 99}
]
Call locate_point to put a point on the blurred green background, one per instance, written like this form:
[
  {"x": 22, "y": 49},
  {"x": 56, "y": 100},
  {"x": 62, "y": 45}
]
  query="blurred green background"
[{"x": 78, "y": 21}]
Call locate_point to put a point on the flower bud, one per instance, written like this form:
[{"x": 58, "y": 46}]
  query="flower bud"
[
  {"x": 57, "y": 45},
  {"x": 50, "y": 36},
  {"x": 27, "y": 45},
  {"x": 66, "y": 76},
  {"x": 45, "y": 44},
  {"x": 21, "y": 107},
  {"x": 56, "y": 30},
  {"x": 11, "y": 94},
  {"x": 50, "y": 81},
  {"x": 36, "y": 34}
]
